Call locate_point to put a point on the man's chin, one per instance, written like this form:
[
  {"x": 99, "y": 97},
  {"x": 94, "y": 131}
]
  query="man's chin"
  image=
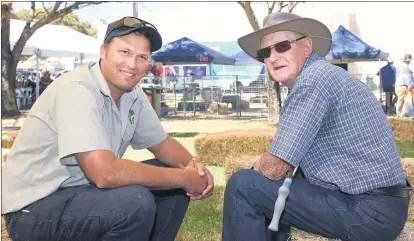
[{"x": 127, "y": 90}]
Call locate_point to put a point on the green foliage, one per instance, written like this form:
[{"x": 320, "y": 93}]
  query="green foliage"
[{"x": 69, "y": 20}]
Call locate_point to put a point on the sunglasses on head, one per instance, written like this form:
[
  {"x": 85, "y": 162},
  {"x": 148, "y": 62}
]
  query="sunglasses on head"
[
  {"x": 280, "y": 47},
  {"x": 131, "y": 22}
]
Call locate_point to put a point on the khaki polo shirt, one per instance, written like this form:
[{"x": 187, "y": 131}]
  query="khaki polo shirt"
[{"x": 74, "y": 114}]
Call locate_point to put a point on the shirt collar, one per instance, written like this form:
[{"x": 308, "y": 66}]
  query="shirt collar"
[
  {"x": 309, "y": 61},
  {"x": 313, "y": 57},
  {"x": 102, "y": 84}
]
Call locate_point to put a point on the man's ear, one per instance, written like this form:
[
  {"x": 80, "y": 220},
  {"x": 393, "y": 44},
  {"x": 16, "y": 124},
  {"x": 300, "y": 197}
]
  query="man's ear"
[
  {"x": 308, "y": 46},
  {"x": 103, "y": 51}
]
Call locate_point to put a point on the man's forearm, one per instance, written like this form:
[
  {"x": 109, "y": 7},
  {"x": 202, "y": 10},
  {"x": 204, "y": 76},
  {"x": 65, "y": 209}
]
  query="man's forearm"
[
  {"x": 122, "y": 172},
  {"x": 172, "y": 153}
]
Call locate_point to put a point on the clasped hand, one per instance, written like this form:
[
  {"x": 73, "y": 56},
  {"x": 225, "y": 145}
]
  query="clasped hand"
[{"x": 200, "y": 181}]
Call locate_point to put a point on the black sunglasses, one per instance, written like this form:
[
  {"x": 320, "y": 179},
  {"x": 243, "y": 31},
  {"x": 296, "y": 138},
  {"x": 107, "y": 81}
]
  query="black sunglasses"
[
  {"x": 130, "y": 22},
  {"x": 280, "y": 47}
]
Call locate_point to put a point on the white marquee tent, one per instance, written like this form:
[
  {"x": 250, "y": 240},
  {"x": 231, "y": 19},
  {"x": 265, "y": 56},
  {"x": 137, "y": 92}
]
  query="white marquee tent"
[{"x": 55, "y": 41}]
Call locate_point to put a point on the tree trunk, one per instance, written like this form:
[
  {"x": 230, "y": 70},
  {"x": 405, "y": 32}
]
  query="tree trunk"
[
  {"x": 274, "y": 99},
  {"x": 8, "y": 67},
  {"x": 273, "y": 88},
  {"x": 8, "y": 89}
]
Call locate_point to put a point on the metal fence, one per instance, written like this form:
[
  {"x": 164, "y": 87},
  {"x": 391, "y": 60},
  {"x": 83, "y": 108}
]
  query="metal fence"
[
  {"x": 225, "y": 96},
  {"x": 229, "y": 96}
]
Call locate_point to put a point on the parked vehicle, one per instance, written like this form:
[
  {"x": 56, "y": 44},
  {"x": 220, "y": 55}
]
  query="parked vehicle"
[{"x": 258, "y": 99}]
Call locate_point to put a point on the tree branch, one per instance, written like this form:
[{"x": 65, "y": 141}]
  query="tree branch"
[
  {"x": 279, "y": 6},
  {"x": 292, "y": 5},
  {"x": 270, "y": 9},
  {"x": 5, "y": 31},
  {"x": 44, "y": 7},
  {"x": 250, "y": 15},
  {"x": 31, "y": 13}
]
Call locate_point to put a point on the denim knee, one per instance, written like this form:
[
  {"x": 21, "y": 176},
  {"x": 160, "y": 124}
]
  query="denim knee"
[
  {"x": 239, "y": 179},
  {"x": 136, "y": 203}
]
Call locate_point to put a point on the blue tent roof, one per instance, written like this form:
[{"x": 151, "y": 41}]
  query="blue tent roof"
[
  {"x": 349, "y": 48},
  {"x": 263, "y": 70},
  {"x": 242, "y": 58},
  {"x": 185, "y": 50}
]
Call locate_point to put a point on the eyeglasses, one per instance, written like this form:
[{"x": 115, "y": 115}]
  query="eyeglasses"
[
  {"x": 280, "y": 47},
  {"x": 130, "y": 22}
]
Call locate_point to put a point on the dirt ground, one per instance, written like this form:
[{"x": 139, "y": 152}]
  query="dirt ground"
[{"x": 180, "y": 125}]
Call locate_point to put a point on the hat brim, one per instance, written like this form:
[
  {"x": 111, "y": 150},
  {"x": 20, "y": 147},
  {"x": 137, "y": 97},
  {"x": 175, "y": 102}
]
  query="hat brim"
[
  {"x": 155, "y": 37},
  {"x": 320, "y": 34}
]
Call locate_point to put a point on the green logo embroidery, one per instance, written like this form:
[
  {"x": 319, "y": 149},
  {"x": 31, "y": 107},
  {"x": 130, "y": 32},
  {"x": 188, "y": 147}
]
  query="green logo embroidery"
[{"x": 131, "y": 116}]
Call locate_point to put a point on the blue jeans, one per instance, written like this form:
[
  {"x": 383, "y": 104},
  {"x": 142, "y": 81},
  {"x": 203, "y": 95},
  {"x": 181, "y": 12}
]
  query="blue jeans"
[
  {"x": 249, "y": 203},
  {"x": 89, "y": 213}
]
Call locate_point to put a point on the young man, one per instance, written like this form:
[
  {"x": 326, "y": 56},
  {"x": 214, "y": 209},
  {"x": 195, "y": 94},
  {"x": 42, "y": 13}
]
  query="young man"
[
  {"x": 65, "y": 178},
  {"x": 352, "y": 184}
]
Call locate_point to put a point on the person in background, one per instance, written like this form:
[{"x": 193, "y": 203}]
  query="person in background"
[
  {"x": 387, "y": 79},
  {"x": 403, "y": 82}
]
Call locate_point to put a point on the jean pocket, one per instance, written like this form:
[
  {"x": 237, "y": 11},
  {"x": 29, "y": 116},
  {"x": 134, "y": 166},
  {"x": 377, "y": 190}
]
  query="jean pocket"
[
  {"x": 379, "y": 228},
  {"x": 20, "y": 228}
]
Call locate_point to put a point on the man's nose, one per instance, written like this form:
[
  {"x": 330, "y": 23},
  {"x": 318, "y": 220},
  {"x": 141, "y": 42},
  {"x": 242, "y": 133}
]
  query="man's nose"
[
  {"x": 132, "y": 62},
  {"x": 274, "y": 55}
]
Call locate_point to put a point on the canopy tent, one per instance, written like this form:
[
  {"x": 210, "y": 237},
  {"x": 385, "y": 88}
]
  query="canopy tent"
[
  {"x": 348, "y": 48},
  {"x": 187, "y": 51},
  {"x": 241, "y": 58},
  {"x": 54, "y": 41},
  {"x": 51, "y": 64}
]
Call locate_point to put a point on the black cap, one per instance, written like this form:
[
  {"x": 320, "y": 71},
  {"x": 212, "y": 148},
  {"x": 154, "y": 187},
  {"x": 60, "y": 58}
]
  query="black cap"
[
  {"x": 408, "y": 57},
  {"x": 127, "y": 25}
]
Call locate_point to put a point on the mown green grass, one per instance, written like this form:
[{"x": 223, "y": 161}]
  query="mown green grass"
[{"x": 405, "y": 148}]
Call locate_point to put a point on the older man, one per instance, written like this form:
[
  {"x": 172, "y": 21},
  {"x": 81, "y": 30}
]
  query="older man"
[
  {"x": 65, "y": 178},
  {"x": 351, "y": 184}
]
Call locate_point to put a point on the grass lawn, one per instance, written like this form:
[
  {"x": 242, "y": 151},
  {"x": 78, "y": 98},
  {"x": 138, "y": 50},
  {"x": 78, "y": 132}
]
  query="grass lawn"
[
  {"x": 405, "y": 148},
  {"x": 203, "y": 221}
]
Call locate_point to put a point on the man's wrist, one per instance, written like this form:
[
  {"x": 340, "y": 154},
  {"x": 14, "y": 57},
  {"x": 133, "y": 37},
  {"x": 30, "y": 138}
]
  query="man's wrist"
[{"x": 182, "y": 178}]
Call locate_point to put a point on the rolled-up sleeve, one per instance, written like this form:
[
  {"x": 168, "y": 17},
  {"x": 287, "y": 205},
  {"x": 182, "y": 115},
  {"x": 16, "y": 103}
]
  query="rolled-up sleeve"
[{"x": 301, "y": 118}]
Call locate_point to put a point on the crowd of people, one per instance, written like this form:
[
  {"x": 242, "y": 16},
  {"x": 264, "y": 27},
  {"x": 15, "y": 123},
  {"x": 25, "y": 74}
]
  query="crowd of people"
[{"x": 397, "y": 82}]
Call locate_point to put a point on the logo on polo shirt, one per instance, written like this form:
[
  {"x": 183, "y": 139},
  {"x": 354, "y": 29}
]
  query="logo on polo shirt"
[{"x": 131, "y": 116}]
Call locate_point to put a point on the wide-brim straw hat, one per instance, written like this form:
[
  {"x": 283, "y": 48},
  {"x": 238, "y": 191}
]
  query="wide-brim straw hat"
[{"x": 282, "y": 21}]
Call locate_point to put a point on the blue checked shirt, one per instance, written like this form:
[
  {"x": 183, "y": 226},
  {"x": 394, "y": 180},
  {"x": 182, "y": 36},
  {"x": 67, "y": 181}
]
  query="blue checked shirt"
[{"x": 334, "y": 128}]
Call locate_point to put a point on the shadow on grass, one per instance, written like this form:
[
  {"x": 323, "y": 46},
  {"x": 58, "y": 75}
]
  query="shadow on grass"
[
  {"x": 185, "y": 134},
  {"x": 204, "y": 218}
]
